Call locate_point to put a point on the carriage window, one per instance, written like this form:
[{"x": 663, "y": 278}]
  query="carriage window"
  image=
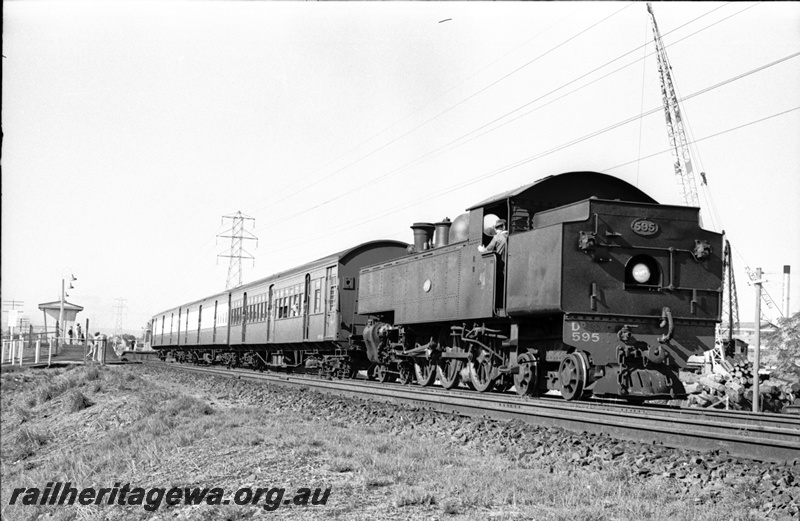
[{"x": 332, "y": 296}]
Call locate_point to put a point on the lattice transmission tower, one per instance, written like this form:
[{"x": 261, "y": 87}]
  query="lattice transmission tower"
[
  {"x": 120, "y": 312},
  {"x": 237, "y": 234}
]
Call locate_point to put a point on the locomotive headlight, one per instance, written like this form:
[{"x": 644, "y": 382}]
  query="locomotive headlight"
[{"x": 641, "y": 273}]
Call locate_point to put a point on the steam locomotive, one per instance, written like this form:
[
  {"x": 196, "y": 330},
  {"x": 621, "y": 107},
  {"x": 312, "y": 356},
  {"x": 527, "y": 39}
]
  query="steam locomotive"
[{"x": 601, "y": 291}]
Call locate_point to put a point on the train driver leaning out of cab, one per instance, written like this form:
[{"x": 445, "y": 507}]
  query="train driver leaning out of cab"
[{"x": 498, "y": 243}]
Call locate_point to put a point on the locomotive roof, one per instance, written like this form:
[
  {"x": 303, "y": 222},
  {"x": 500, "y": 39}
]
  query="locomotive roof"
[{"x": 561, "y": 189}]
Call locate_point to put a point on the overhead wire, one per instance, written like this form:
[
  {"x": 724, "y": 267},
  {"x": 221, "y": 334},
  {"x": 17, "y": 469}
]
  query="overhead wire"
[
  {"x": 705, "y": 138},
  {"x": 585, "y": 137},
  {"x": 481, "y": 177},
  {"x": 589, "y": 83},
  {"x": 464, "y": 100},
  {"x": 454, "y": 143},
  {"x": 430, "y": 101},
  {"x": 705, "y": 192},
  {"x": 641, "y": 104},
  {"x": 475, "y": 179},
  {"x": 414, "y": 111},
  {"x": 649, "y": 112}
]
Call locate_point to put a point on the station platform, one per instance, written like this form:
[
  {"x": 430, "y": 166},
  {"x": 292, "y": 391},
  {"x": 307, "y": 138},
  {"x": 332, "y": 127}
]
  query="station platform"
[{"x": 66, "y": 354}]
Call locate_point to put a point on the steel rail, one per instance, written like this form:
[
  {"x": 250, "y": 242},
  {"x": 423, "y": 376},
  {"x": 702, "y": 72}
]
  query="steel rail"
[{"x": 774, "y": 438}]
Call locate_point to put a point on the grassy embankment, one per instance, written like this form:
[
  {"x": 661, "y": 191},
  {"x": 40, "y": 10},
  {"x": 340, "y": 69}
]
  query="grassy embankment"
[{"x": 96, "y": 427}]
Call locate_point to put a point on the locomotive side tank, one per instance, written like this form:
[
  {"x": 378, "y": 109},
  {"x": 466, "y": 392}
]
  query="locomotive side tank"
[{"x": 600, "y": 291}]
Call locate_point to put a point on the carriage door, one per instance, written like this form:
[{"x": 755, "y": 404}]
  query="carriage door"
[
  {"x": 230, "y": 316},
  {"x": 214, "y": 331},
  {"x": 306, "y": 293},
  {"x": 199, "y": 322},
  {"x": 331, "y": 302},
  {"x": 244, "y": 316},
  {"x": 270, "y": 321}
]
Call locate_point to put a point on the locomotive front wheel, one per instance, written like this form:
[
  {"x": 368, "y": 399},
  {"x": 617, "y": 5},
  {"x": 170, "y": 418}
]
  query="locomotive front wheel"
[
  {"x": 572, "y": 376},
  {"x": 480, "y": 374},
  {"x": 406, "y": 373},
  {"x": 425, "y": 372},
  {"x": 525, "y": 381},
  {"x": 382, "y": 374},
  {"x": 448, "y": 370},
  {"x": 371, "y": 372}
]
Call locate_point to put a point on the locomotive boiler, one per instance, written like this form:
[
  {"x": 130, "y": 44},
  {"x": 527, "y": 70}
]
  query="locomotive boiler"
[{"x": 601, "y": 291}]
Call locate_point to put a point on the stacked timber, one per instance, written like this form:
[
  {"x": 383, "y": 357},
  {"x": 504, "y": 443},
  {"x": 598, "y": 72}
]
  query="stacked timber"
[{"x": 733, "y": 389}]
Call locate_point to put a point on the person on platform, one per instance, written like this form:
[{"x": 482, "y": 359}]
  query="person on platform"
[
  {"x": 94, "y": 352},
  {"x": 499, "y": 240},
  {"x": 70, "y": 334}
]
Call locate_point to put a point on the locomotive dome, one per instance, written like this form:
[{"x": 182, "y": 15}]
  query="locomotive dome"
[{"x": 558, "y": 190}]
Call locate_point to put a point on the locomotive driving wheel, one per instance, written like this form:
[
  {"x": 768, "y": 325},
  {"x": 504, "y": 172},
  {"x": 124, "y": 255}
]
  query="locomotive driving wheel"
[
  {"x": 572, "y": 376},
  {"x": 425, "y": 372},
  {"x": 449, "y": 372},
  {"x": 449, "y": 369},
  {"x": 525, "y": 380},
  {"x": 480, "y": 372},
  {"x": 371, "y": 372}
]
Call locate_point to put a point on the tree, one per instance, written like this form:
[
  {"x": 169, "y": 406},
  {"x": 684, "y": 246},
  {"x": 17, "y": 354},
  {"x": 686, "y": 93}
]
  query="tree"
[{"x": 786, "y": 340}]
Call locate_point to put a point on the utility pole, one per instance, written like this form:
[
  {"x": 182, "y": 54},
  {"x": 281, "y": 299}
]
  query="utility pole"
[
  {"x": 757, "y": 361},
  {"x": 237, "y": 234},
  {"x": 786, "y": 275}
]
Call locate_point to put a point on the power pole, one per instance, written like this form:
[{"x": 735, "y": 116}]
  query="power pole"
[
  {"x": 120, "y": 312},
  {"x": 757, "y": 282},
  {"x": 237, "y": 234}
]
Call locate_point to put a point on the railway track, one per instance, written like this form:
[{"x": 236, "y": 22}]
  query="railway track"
[{"x": 762, "y": 437}]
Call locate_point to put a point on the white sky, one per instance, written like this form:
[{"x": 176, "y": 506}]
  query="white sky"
[{"x": 130, "y": 129}]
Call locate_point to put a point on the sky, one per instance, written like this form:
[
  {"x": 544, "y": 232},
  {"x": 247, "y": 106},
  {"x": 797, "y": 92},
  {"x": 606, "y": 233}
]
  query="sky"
[{"x": 131, "y": 129}]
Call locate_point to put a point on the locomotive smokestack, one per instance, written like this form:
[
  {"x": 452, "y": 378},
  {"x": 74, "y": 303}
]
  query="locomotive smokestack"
[
  {"x": 786, "y": 270},
  {"x": 423, "y": 236},
  {"x": 442, "y": 233}
]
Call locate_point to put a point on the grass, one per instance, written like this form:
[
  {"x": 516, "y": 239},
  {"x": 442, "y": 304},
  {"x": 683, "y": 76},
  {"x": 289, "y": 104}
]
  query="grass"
[{"x": 95, "y": 426}]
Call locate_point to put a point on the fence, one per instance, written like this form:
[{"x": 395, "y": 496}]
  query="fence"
[
  {"x": 41, "y": 347},
  {"x": 22, "y": 346}
]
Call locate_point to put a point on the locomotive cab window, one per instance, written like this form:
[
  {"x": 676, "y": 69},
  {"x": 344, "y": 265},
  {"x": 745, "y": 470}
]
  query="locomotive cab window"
[
  {"x": 642, "y": 272},
  {"x": 491, "y": 215}
]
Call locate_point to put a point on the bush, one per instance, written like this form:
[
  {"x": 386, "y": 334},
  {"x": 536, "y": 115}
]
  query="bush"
[
  {"x": 25, "y": 442},
  {"x": 75, "y": 401}
]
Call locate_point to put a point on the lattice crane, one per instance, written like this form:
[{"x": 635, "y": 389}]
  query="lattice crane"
[
  {"x": 682, "y": 161},
  {"x": 687, "y": 187}
]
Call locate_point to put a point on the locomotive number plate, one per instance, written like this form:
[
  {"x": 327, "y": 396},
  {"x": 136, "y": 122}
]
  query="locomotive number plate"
[
  {"x": 575, "y": 332},
  {"x": 644, "y": 227}
]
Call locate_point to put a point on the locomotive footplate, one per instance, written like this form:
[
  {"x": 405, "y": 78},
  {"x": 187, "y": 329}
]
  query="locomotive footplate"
[{"x": 636, "y": 356}]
